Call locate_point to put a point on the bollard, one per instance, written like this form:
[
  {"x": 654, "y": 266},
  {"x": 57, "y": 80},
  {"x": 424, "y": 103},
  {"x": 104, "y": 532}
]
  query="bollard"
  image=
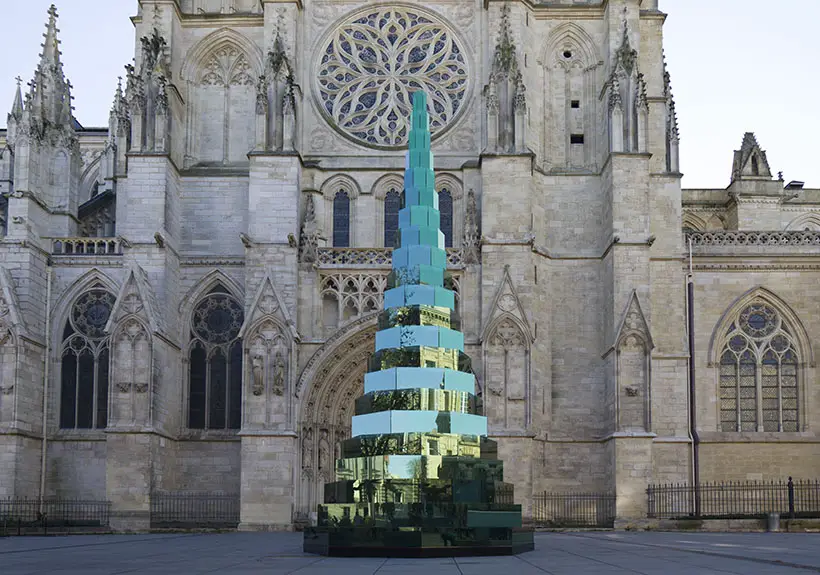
[{"x": 773, "y": 522}]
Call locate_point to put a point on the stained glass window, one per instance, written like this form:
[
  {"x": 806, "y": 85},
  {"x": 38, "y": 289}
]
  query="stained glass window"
[
  {"x": 445, "y": 206},
  {"x": 392, "y": 205},
  {"x": 341, "y": 220},
  {"x": 84, "y": 363},
  {"x": 758, "y": 373},
  {"x": 215, "y": 368}
]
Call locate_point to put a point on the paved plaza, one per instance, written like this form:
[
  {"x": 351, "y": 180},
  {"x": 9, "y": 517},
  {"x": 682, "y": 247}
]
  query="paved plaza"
[{"x": 280, "y": 554}]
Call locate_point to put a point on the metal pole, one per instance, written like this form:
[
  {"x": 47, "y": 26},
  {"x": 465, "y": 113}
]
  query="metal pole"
[
  {"x": 43, "y": 458},
  {"x": 690, "y": 293}
]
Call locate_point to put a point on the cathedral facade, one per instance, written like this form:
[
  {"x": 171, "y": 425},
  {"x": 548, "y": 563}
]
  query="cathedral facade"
[{"x": 189, "y": 296}]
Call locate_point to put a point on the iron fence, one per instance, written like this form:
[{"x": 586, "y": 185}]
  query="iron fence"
[
  {"x": 194, "y": 509},
  {"x": 23, "y": 516},
  {"x": 574, "y": 510},
  {"x": 735, "y": 500}
]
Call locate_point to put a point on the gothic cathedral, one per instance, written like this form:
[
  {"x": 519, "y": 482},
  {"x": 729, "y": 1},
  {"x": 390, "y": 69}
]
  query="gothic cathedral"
[{"x": 189, "y": 295}]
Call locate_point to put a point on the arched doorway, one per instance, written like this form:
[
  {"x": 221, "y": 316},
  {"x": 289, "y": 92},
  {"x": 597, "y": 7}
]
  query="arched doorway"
[{"x": 327, "y": 390}]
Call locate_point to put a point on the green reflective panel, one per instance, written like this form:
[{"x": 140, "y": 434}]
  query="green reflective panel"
[
  {"x": 420, "y": 356},
  {"x": 413, "y": 444},
  {"x": 418, "y": 399},
  {"x": 419, "y": 315}
]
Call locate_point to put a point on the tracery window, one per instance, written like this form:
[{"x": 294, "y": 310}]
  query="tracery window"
[
  {"x": 84, "y": 362},
  {"x": 758, "y": 373},
  {"x": 215, "y": 362},
  {"x": 373, "y": 62},
  {"x": 392, "y": 205},
  {"x": 341, "y": 220},
  {"x": 445, "y": 207}
]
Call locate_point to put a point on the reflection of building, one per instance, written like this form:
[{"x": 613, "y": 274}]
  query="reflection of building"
[{"x": 210, "y": 308}]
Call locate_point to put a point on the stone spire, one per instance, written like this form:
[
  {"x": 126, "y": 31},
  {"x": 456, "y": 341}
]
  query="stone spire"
[
  {"x": 51, "y": 93},
  {"x": 277, "y": 96},
  {"x": 750, "y": 161},
  {"x": 16, "y": 114},
  {"x": 17, "y": 105},
  {"x": 672, "y": 132},
  {"x": 505, "y": 94},
  {"x": 44, "y": 129},
  {"x": 628, "y": 107}
]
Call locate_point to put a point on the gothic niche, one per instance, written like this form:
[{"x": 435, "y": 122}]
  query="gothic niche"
[
  {"x": 8, "y": 362},
  {"x": 132, "y": 375},
  {"x": 506, "y": 375},
  {"x": 570, "y": 100},
  {"x": 505, "y": 95},
  {"x": 269, "y": 357},
  {"x": 632, "y": 377},
  {"x": 633, "y": 349},
  {"x": 222, "y": 108}
]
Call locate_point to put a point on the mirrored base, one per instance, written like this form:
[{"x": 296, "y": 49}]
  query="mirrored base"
[{"x": 435, "y": 542}]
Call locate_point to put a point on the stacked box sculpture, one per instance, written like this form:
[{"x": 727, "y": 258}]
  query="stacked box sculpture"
[{"x": 418, "y": 478}]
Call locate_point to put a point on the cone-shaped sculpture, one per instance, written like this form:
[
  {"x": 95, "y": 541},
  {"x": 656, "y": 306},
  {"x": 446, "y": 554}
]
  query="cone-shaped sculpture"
[{"x": 418, "y": 477}]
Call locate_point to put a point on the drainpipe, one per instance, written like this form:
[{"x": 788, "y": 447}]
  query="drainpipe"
[
  {"x": 693, "y": 431},
  {"x": 46, "y": 366}
]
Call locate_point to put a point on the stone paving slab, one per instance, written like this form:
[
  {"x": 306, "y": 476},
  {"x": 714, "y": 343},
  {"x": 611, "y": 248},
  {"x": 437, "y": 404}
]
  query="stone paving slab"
[{"x": 577, "y": 553}]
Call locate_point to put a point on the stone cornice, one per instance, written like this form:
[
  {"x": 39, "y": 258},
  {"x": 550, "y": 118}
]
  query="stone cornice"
[
  {"x": 211, "y": 261},
  {"x": 756, "y": 267},
  {"x": 749, "y": 437}
]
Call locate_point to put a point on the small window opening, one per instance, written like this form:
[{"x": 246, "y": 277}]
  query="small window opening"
[
  {"x": 575, "y": 104},
  {"x": 755, "y": 166},
  {"x": 567, "y": 54},
  {"x": 576, "y": 139}
]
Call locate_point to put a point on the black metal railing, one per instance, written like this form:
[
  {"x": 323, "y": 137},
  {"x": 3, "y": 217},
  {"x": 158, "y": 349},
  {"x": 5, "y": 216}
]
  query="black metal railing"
[
  {"x": 23, "y": 516},
  {"x": 194, "y": 509},
  {"x": 574, "y": 510},
  {"x": 735, "y": 500}
]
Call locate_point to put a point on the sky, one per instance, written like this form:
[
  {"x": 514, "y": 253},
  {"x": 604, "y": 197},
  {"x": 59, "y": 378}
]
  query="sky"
[{"x": 737, "y": 66}]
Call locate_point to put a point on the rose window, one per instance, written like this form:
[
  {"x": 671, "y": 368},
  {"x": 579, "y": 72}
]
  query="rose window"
[{"x": 371, "y": 64}]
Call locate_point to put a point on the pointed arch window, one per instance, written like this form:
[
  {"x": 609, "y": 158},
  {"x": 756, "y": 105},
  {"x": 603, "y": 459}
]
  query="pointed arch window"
[
  {"x": 392, "y": 205},
  {"x": 341, "y": 220},
  {"x": 759, "y": 373},
  {"x": 84, "y": 363},
  {"x": 215, "y": 363},
  {"x": 445, "y": 207}
]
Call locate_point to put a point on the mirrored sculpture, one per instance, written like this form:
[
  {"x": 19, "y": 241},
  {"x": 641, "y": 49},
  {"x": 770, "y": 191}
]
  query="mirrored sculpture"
[{"x": 418, "y": 478}]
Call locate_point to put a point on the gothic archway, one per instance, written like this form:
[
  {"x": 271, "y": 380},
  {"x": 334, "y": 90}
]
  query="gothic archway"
[{"x": 327, "y": 390}]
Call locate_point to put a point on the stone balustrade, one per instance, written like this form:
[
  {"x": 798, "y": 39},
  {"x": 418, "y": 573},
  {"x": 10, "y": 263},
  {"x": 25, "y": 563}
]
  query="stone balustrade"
[
  {"x": 86, "y": 246},
  {"x": 373, "y": 258}
]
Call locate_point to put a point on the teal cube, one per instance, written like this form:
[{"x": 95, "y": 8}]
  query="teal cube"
[
  {"x": 438, "y": 257},
  {"x": 444, "y": 298},
  {"x": 430, "y": 275}
]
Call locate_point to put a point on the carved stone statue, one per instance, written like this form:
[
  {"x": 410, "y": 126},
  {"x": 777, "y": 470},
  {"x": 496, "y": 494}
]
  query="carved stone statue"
[
  {"x": 324, "y": 451},
  {"x": 258, "y": 375},
  {"x": 310, "y": 236},
  {"x": 307, "y": 448},
  {"x": 472, "y": 239},
  {"x": 279, "y": 375}
]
